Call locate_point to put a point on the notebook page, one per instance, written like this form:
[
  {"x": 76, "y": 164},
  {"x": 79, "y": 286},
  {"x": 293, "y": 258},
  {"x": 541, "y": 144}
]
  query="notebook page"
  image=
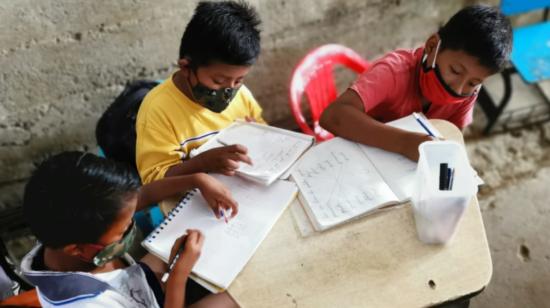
[
  {"x": 271, "y": 151},
  {"x": 338, "y": 182},
  {"x": 397, "y": 170},
  {"x": 227, "y": 247}
]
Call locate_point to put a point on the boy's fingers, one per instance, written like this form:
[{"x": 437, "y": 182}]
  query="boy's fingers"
[
  {"x": 200, "y": 240},
  {"x": 180, "y": 241},
  {"x": 177, "y": 243},
  {"x": 231, "y": 164},
  {"x": 238, "y": 148},
  {"x": 198, "y": 236},
  {"x": 216, "y": 209},
  {"x": 230, "y": 203},
  {"x": 243, "y": 157},
  {"x": 234, "y": 206},
  {"x": 228, "y": 172},
  {"x": 193, "y": 235},
  {"x": 190, "y": 235}
]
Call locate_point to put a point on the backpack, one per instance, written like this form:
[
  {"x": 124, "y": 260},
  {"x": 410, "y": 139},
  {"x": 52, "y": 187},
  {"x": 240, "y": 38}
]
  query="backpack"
[
  {"x": 116, "y": 129},
  {"x": 116, "y": 136}
]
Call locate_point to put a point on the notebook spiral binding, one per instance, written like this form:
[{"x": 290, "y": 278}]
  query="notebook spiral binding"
[{"x": 171, "y": 214}]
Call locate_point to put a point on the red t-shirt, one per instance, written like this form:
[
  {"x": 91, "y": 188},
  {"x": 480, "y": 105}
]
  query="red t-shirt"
[{"x": 390, "y": 90}]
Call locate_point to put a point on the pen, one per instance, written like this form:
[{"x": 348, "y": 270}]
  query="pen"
[
  {"x": 449, "y": 174},
  {"x": 451, "y": 179},
  {"x": 424, "y": 126},
  {"x": 223, "y": 214},
  {"x": 173, "y": 263},
  {"x": 222, "y": 142}
]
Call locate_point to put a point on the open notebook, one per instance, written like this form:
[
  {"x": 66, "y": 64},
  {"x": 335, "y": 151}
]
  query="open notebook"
[
  {"x": 272, "y": 150},
  {"x": 340, "y": 180},
  {"x": 227, "y": 247}
]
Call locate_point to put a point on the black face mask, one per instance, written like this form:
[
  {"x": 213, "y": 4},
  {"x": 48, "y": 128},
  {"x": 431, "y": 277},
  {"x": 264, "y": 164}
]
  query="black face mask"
[{"x": 214, "y": 100}]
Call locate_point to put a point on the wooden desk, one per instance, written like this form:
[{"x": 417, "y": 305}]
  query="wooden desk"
[{"x": 376, "y": 261}]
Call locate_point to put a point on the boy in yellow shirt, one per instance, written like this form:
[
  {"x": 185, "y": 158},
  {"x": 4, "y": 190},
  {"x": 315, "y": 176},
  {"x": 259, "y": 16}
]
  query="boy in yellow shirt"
[{"x": 206, "y": 94}]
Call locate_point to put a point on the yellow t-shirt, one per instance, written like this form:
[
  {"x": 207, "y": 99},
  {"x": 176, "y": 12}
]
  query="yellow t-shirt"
[{"x": 169, "y": 125}]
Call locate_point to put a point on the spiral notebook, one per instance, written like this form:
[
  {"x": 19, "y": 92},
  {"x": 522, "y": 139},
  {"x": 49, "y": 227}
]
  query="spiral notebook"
[{"x": 227, "y": 246}]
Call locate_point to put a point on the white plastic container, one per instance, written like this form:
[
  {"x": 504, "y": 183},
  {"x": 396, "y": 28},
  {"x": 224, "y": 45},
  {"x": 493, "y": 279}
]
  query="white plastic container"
[{"x": 438, "y": 212}]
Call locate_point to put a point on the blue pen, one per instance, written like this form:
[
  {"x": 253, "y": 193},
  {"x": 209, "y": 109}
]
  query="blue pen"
[
  {"x": 451, "y": 179},
  {"x": 424, "y": 126}
]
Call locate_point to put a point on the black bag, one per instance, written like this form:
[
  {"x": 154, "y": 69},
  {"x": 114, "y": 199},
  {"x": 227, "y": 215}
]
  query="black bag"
[{"x": 116, "y": 129}]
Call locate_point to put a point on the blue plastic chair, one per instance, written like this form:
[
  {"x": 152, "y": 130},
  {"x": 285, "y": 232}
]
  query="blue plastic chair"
[
  {"x": 531, "y": 51},
  {"x": 530, "y": 56}
]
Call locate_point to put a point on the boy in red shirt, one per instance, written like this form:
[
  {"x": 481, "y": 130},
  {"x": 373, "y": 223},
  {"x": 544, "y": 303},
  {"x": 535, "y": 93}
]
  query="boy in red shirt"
[{"x": 441, "y": 79}]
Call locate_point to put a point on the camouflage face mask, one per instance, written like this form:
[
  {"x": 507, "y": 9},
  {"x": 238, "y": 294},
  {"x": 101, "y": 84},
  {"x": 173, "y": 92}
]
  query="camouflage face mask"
[
  {"x": 116, "y": 249},
  {"x": 214, "y": 100}
]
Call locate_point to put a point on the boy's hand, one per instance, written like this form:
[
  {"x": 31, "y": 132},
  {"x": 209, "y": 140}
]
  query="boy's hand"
[
  {"x": 224, "y": 160},
  {"x": 249, "y": 119},
  {"x": 217, "y": 195},
  {"x": 411, "y": 144},
  {"x": 192, "y": 242}
]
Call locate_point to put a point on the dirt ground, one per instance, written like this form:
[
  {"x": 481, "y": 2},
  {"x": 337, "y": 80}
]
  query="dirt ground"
[{"x": 515, "y": 204}]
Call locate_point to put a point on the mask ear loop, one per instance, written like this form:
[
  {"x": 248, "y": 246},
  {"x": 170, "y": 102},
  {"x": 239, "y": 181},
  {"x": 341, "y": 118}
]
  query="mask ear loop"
[
  {"x": 436, "y": 51},
  {"x": 191, "y": 69},
  {"x": 478, "y": 88}
]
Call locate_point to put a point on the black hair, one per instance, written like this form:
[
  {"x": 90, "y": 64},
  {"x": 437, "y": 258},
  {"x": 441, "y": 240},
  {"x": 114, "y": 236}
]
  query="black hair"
[
  {"x": 225, "y": 31},
  {"x": 481, "y": 31},
  {"x": 74, "y": 197}
]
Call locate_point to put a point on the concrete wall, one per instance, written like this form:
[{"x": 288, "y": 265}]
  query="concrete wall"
[{"x": 62, "y": 62}]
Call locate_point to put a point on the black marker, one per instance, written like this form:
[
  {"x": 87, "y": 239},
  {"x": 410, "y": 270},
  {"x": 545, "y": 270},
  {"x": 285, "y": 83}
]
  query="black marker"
[{"x": 443, "y": 176}]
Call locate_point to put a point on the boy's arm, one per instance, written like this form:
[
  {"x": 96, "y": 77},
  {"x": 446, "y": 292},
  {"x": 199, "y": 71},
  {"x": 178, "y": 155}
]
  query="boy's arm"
[
  {"x": 224, "y": 160},
  {"x": 157, "y": 156},
  {"x": 346, "y": 118},
  {"x": 175, "y": 290},
  {"x": 192, "y": 165},
  {"x": 157, "y": 191},
  {"x": 217, "y": 196},
  {"x": 177, "y": 281}
]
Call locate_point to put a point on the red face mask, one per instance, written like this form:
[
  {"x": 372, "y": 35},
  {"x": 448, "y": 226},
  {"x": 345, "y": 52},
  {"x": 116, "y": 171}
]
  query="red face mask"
[{"x": 434, "y": 88}]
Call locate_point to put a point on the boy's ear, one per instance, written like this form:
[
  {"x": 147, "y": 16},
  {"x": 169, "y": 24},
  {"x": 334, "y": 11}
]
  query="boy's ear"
[
  {"x": 430, "y": 46},
  {"x": 82, "y": 251},
  {"x": 183, "y": 63},
  {"x": 72, "y": 250}
]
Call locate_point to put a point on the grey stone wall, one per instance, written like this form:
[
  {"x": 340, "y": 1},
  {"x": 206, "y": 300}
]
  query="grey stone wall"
[{"x": 63, "y": 61}]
